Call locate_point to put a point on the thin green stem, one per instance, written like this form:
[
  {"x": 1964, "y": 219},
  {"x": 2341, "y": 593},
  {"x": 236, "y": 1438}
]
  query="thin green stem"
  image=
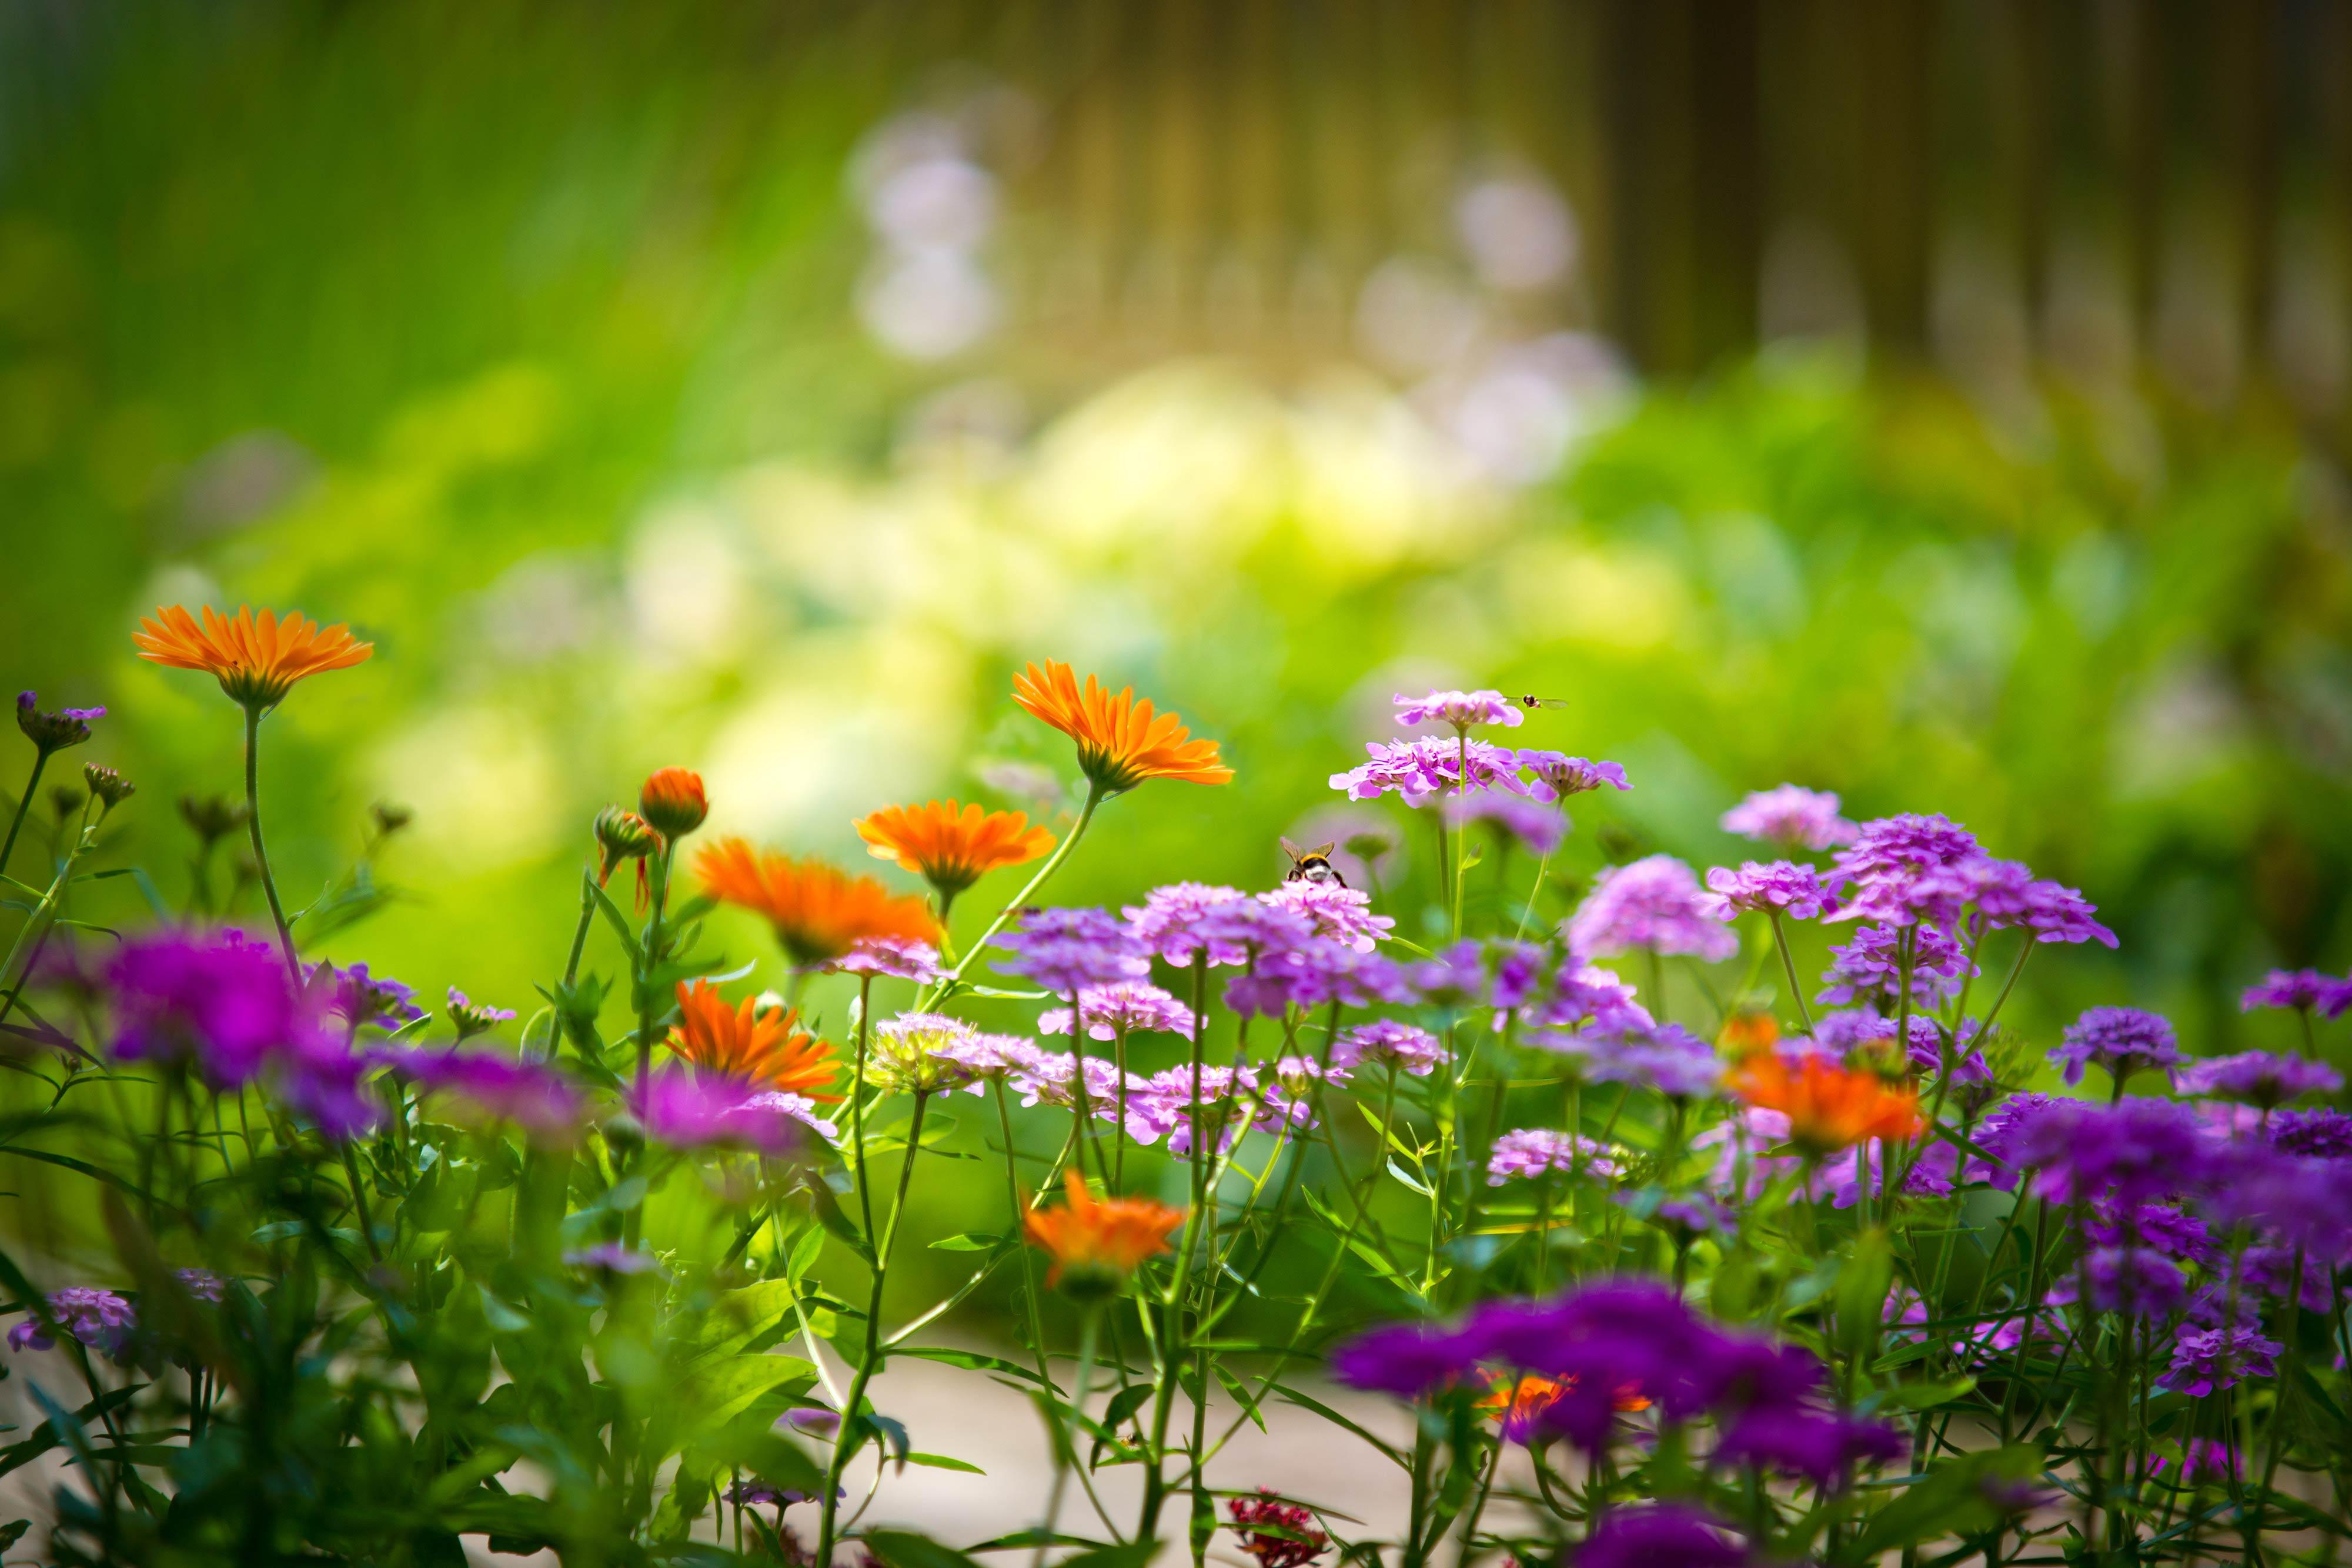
[
  {"x": 1789, "y": 966},
  {"x": 1065, "y": 1457},
  {"x": 948, "y": 982},
  {"x": 253, "y": 829},
  {"x": 25, "y": 804}
]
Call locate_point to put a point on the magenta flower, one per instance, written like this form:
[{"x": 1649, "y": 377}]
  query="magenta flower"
[
  {"x": 1659, "y": 1534},
  {"x": 2123, "y": 1040},
  {"x": 1792, "y": 816},
  {"x": 691, "y": 1110},
  {"x": 2201, "y": 1460},
  {"x": 1795, "y": 890},
  {"x": 360, "y": 999},
  {"x": 221, "y": 1003},
  {"x": 1278, "y": 1534},
  {"x": 1532, "y": 1151},
  {"x": 1584, "y": 995},
  {"x": 1459, "y": 710},
  {"x": 1388, "y": 1043},
  {"x": 2326, "y": 1133},
  {"x": 1067, "y": 950},
  {"x": 2134, "y": 1152},
  {"x": 1168, "y": 921},
  {"x": 800, "y": 1108},
  {"x": 1667, "y": 1058},
  {"x": 99, "y": 1318},
  {"x": 1908, "y": 870},
  {"x": 2301, "y": 989},
  {"x": 1656, "y": 903},
  {"x": 1418, "y": 769},
  {"x": 1343, "y": 913},
  {"x": 887, "y": 958},
  {"x": 321, "y": 1078},
  {"x": 1128, "y": 1006},
  {"x": 614, "y": 1257},
  {"x": 2259, "y": 1078},
  {"x": 1558, "y": 775},
  {"x": 1867, "y": 968},
  {"x": 2007, "y": 894},
  {"x": 202, "y": 1283},
  {"x": 2205, "y": 1360},
  {"x": 1533, "y": 826},
  {"x": 532, "y": 1095}
]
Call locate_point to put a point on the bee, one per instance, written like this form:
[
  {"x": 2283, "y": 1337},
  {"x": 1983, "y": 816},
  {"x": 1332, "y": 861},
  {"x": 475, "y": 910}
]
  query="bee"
[
  {"x": 1531, "y": 702},
  {"x": 1312, "y": 865}
]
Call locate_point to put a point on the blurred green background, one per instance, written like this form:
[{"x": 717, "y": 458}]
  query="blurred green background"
[{"x": 1939, "y": 403}]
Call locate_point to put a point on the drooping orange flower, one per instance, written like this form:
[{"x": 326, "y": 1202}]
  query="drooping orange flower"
[
  {"x": 256, "y": 658},
  {"x": 1097, "y": 1243},
  {"x": 742, "y": 1042},
  {"x": 672, "y": 802},
  {"x": 818, "y": 912},
  {"x": 1829, "y": 1107},
  {"x": 1519, "y": 1403},
  {"x": 950, "y": 845},
  {"x": 1121, "y": 742}
]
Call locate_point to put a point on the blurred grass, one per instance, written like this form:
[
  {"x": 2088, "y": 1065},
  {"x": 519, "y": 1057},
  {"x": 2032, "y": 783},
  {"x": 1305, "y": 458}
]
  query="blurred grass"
[{"x": 438, "y": 320}]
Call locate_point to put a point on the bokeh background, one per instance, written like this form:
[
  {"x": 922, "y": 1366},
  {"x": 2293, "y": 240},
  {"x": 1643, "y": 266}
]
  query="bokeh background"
[{"x": 1944, "y": 403}]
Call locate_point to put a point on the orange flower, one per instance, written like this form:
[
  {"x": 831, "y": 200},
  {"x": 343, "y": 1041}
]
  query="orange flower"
[
  {"x": 1121, "y": 742},
  {"x": 1519, "y": 1403},
  {"x": 256, "y": 660},
  {"x": 951, "y": 846},
  {"x": 746, "y": 1043},
  {"x": 672, "y": 802},
  {"x": 1098, "y": 1243},
  {"x": 818, "y": 912},
  {"x": 1829, "y": 1107},
  {"x": 1747, "y": 1031}
]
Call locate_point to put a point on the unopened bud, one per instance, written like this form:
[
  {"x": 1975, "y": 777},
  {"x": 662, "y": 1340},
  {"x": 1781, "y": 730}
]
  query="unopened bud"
[
  {"x": 110, "y": 787},
  {"x": 213, "y": 817},
  {"x": 672, "y": 801},
  {"x": 390, "y": 818},
  {"x": 621, "y": 835}
]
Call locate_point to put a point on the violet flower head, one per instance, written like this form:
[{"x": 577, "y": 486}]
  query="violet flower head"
[
  {"x": 1821, "y": 1446},
  {"x": 1127, "y": 1007},
  {"x": 1168, "y": 921},
  {"x": 1666, "y": 1057},
  {"x": 2202, "y": 1459},
  {"x": 1782, "y": 886},
  {"x": 2174, "y": 1232},
  {"x": 2137, "y": 1281},
  {"x": 2123, "y": 1040},
  {"x": 56, "y": 730},
  {"x": 202, "y": 1283},
  {"x": 1869, "y": 968},
  {"x": 1388, "y": 1043},
  {"x": 99, "y": 1318},
  {"x": 612, "y": 1257},
  {"x": 2007, "y": 894},
  {"x": 1559, "y": 776},
  {"x": 1654, "y": 904},
  {"x": 221, "y": 1002},
  {"x": 1344, "y": 915},
  {"x": 470, "y": 1018},
  {"x": 1406, "y": 1360},
  {"x": 1417, "y": 770},
  {"x": 690, "y": 1111},
  {"x": 1586, "y": 995},
  {"x": 887, "y": 958},
  {"x": 530, "y": 1095},
  {"x": 800, "y": 1108},
  {"x": 2301, "y": 989},
  {"x": 360, "y": 999},
  {"x": 321, "y": 1078},
  {"x": 1070, "y": 950},
  {"x": 2136, "y": 1151},
  {"x": 1792, "y": 816},
  {"x": 2259, "y": 1078},
  {"x": 1661, "y": 1535},
  {"x": 2326, "y": 1133},
  {"x": 1534, "y": 826},
  {"x": 1533, "y": 1151},
  {"x": 1908, "y": 870},
  {"x": 1459, "y": 710},
  {"x": 2206, "y": 1361}
]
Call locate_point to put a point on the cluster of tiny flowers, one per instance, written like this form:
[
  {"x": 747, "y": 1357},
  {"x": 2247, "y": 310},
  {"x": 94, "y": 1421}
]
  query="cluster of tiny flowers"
[
  {"x": 470, "y": 1018},
  {"x": 1418, "y": 770},
  {"x": 2305, "y": 989},
  {"x": 1869, "y": 968},
  {"x": 364, "y": 1000},
  {"x": 1386, "y": 1042},
  {"x": 1533, "y": 1151},
  {"x": 922, "y": 1053},
  {"x": 1344, "y": 915},
  {"x": 2123, "y": 1040},
  {"x": 1123, "y": 1008},
  {"x": 99, "y": 1318},
  {"x": 1797, "y": 818},
  {"x": 1071, "y": 951},
  {"x": 887, "y": 958},
  {"x": 1654, "y": 904},
  {"x": 1277, "y": 1534},
  {"x": 1667, "y": 1058},
  {"x": 2259, "y": 1078},
  {"x": 1781, "y": 886},
  {"x": 1458, "y": 710}
]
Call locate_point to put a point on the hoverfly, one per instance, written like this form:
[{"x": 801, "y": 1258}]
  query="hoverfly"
[
  {"x": 1531, "y": 702},
  {"x": 1312, "y": 865}
]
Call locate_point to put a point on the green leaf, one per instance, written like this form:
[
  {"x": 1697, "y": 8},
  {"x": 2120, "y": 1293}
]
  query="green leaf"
[
  {"x": 967, "y": 1242},
  {"x": 1926, "y": 1395},
  {"x": 941, "y": 1462},
  {"x": 1949, "y": 1501},
  {"x": 828, "y": 1214},
  {"x": 746, "y": 1319},
  {"x": 1861, "y": 1297},
  {"x": 719, "y": 1394},
  {"x": 907, "y": 1549},
  {"x": 970, "y": 1360},
  {"x": 1305, "y": 1402},
  {"x": 1134, "y": 1554}
]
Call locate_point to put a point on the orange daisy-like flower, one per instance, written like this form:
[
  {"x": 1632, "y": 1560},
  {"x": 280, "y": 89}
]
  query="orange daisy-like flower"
[
  {"x": 1519, "y": 1403},
  {"x": 1829, "y": 1107},
  {"x": 743, "y": 1043},
  {"x": 1121, "y": 742},
  {"x": 256, "y": 658},
  {"x": 1097, "y": 1243},
  {"x": 672, "y": 802},
  {"x": 950, "y": 845},
  {"x": 818, "y": 912}
]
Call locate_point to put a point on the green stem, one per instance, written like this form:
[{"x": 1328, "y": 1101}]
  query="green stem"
[
  {"x": 1789, "y": 965},
  {"x": 1075, "y": 1429},
  {"x": 851, "y": 1434},
  {"x": 253, "y": 829},
  {"x": 1155, "y": 1474},
  {"x": 948, "y": 982},
  {"x": 25, "y": 804}
]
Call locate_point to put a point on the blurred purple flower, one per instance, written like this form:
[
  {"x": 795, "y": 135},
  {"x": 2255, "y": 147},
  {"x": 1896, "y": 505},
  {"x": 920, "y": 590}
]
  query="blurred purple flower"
[
  {"x": 2138, "y": 1282},
  {"x": 1532, "y": 1151},
  {"x": 1667, "y": 1058},
  {"x": 2007, "y": 894},
  {"x": 1784, "y": 885},
  {"x": 1821, "y": 1446},
  {"x": 470, "y": 1018},
  {"x": 613, "y": 1257},
  {"x": 2122, "y": 1040},
  {"x": 99, "y": 1318},
  {"x": 1661, "y": 1535},
  {"x": 1654, "y": 904},
  {"x": 2207, "y": 1360},
  {"x": 1559, "y": 776},
  {"x": 363, "y": 1000},
  {"x": 2326, "y": 1132},
  {"x": 1868, "y": 969},
  {"x": 1167, "y": 923},
  {"x": 2299, "y": 989},
  {"x": 2161, "y": 1226},
  {"x": 1067, "y": 950},
  {"x": 222, "y": 1002},
  {"x": 1792, "y": 816},
  {"x": 2134, "y": 1152},
  {"x": 690, "y": 1111},
  {"x": 887, "y": 958},
  {"x": 1459, "y": 710},
  {"x": 2201, "y": 1460},
  {"x": 202, "y": 1283},
  {"x": 2259, "y": 1078},
  {"x": 530, "y": 1095}
]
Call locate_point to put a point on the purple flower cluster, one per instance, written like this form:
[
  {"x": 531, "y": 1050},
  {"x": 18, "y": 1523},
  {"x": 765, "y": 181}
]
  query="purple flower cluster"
[
  {"x": 1459, "y": 710},
  {"x": 470, "y": 1018},
  {"x": 1556, "y": 776},
  {"x": 2299, "y": 989},
  {"x": 1072, "y": 950},
  {"x": 2122, "y": 1040},
  {"x": 2209, "y": 1360},
  {"x": 1869, "y": 968},
  {"x": 1417, "y": 770},
  {"x": 2134, "y": 1152},
  {"x": 1783, "y": 886},
  {"x": 2325, "y": 1133},
  {"x": 1908, "y": 869},
  {"x": 887, "y": 958},
  {"x": 2009, "y": 895},
  {"x": 1606, "y": 1341},
  {"x": 1792, "y": 816},
  {"x": 694, "y": 1111},
  {"x": 1532, "y": 1151},
  {"x": 360, "y": 999},
  {"x": 1667, "y": 1058},
  {"x": 2201, "y": 1460},
  {"x": 532, "y": 1095},
  {"x": 1654, "y": 902},
  {"x": 1167, "y": 923},
  {"x": 1127, "y": 1007},
  {"x": 2259, "y": 1078},
  {"x": 1388, "y": 1043},
  {"x": 1585, "y": 995},
  {"x": 1343, "y": 915},
  {"x": 99, "y": 1318}
]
